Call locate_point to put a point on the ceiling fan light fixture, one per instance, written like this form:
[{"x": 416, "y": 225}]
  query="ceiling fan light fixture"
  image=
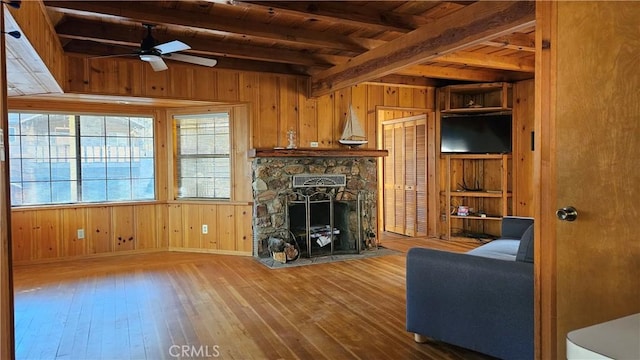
[{"x": 149, "y": 57}]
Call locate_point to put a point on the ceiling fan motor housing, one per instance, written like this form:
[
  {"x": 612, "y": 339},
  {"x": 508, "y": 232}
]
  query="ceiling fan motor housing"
[{"x": 148, "y": 43}]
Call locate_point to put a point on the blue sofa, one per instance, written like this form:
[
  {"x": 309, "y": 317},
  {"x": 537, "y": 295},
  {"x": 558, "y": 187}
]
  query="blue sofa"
[{"x": 480, "y": 300}]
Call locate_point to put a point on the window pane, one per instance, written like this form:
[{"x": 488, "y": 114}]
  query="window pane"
[
  {"x": 118, "y": 190},
  {"x": 142, "y": 168},
  {"x": 62, "y": 147},
  {"x": 117, "y": 126},
  {"x": 64, "y": 169},
  {"x": 16, "y": 193},
  {"x": 118, "y": 170},
  {"x": 187, "y": 188},
  {"x": 206, "y": 144},
  {"x": 206, "y": 188},
  {"x": 205, "y": 167},
  {"x": 92, "y": 125},
  {"x": 223, "y": 187},
  {"x": 64, "y": 191},
  {"x": 142, "y": 127},
  {"x": 36, "y": 193},
  {"x": 222, "y": 144},
  {"x": 15, "y": 151},
  {"x": 62, "y": 124},
  {"x": 188, "y": 167},
  {"x": 93, "y": 169},
  {"x": 188, "y": 144},
  {"x": 142, "y": 147},
  {"x": 15, "y": 172},
  {"x": 34, "y": 124},
  {"x": 14, "y": 124},
  {"x": 143, "y": 189},
  {"x": 35, "y": 170},
  {"x": 35, "y": 147},
  {"x": 118, "y": 147},
  {"x": 221, "y": 166},
  {"x": 94, "y": 190}
]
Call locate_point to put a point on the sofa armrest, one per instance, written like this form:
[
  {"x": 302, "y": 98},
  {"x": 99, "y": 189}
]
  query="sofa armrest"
[
  {"x": 514, "y": 226},
  {"x": 478, "y": 303}
]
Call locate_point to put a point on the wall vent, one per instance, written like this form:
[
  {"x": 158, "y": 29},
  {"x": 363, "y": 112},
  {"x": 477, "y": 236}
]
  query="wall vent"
[{"x": 325, "y": 180}]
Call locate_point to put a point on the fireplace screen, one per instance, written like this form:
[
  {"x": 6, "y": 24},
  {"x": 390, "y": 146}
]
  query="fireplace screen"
[{"x": 323, "y": 225}]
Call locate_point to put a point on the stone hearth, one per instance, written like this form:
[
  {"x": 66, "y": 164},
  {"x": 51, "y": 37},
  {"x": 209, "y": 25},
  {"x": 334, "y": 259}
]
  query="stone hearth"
[{"x": 273, "y": 186}]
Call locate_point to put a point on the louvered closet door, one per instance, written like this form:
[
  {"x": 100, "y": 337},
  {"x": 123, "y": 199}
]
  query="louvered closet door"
[
  {"x": 389, "y": 197},
  {"x": 409, "y": 170},
  {"x": 421, "y": 178},
  {"x": 398, "y": 177},
  {"x": 405, "y": 177}
]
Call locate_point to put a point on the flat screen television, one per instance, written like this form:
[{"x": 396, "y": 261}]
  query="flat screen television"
[{"x": 476, "y": 134}]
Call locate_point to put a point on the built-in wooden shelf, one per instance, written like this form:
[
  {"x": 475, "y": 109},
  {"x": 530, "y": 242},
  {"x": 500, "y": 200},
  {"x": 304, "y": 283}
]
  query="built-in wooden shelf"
[{"x": 314, "y": 152}]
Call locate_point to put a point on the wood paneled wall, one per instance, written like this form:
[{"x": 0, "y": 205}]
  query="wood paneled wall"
[
  {"x": 268, "y": 105},
  {"x": 278, "y": 103},
  {"x": 523, "y": 151},
  {"x": 52, "y": 233}
]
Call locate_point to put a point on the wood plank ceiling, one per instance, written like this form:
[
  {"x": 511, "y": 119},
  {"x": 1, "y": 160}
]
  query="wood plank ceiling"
[{"x": 335, "y": 43}]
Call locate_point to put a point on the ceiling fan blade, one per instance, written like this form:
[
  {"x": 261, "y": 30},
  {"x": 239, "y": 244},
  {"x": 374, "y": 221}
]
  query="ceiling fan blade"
[
  {"x": 172, "y": 46},
  {"x": 156, "y": 62},
  {"x": 193, "y": 59}
]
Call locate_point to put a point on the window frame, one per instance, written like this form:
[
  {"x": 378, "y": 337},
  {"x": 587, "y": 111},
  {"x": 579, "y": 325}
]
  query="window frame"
[
  {"x": 201, "y": 112},
  {"x": 152, "y": 116}
]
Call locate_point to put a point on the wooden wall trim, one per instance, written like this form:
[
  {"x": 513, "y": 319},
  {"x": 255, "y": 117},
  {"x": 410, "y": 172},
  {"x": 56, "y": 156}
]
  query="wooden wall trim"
[
  {"x": 544, "y": 184},
  {"x": 7, "y": 349},
  {"x": 522, "y": 166}
]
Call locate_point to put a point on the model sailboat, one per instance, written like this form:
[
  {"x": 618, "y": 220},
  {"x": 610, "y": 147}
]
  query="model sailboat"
[{"x": 353, "y": 134}]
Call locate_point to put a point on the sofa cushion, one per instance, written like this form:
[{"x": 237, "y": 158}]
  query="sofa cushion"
[
  {"x": 525, "y": 250},
  {"x": 514, "y": 226},
  {"x": 498, "y": 249}
]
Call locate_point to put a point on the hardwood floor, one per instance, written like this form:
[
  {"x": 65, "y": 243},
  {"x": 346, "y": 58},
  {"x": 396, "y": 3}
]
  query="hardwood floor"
[
  {"x": 159, "y": 305},
  {"x": 404, "y": 243}
]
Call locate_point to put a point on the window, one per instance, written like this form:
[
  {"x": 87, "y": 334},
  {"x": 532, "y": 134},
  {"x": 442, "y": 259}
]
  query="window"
[
  {"x": 58, "y": 158},
  {"x": 203, "y": 161}
]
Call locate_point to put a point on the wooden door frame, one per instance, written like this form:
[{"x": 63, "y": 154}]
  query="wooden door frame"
[{"x": 544, "y": 184}]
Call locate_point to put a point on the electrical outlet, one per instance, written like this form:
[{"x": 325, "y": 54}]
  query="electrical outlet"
[
  {"x": 443, "y": 217},
  {"x": 205, "y": 229},
  {"x": 314, "y": 144},
  {"x": 80, "y": 234}
]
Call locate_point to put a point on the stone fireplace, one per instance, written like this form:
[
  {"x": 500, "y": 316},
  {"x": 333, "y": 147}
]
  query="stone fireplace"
[{"x": 343, "y": 215}]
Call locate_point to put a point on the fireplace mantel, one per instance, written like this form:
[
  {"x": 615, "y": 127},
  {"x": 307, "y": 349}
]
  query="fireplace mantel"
[{"x": 315, "y": 152}]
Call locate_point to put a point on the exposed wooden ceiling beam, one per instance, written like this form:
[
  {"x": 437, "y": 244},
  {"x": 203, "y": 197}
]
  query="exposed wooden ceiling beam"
[
  {"x": 470, "y": 26},
  {"x": 518, "y": 41},
  {"x": 115, "y": 34},
  {"x": 404, "y": 81},
  {"x": 489, "y": 61},
  {"x": 346, "y": 13},
  {"x": 146, "y": 11},
  {"x": 452, "y": 73}
]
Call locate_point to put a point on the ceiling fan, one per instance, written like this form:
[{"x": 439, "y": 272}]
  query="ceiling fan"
[{"x": 154, "y": 54}]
